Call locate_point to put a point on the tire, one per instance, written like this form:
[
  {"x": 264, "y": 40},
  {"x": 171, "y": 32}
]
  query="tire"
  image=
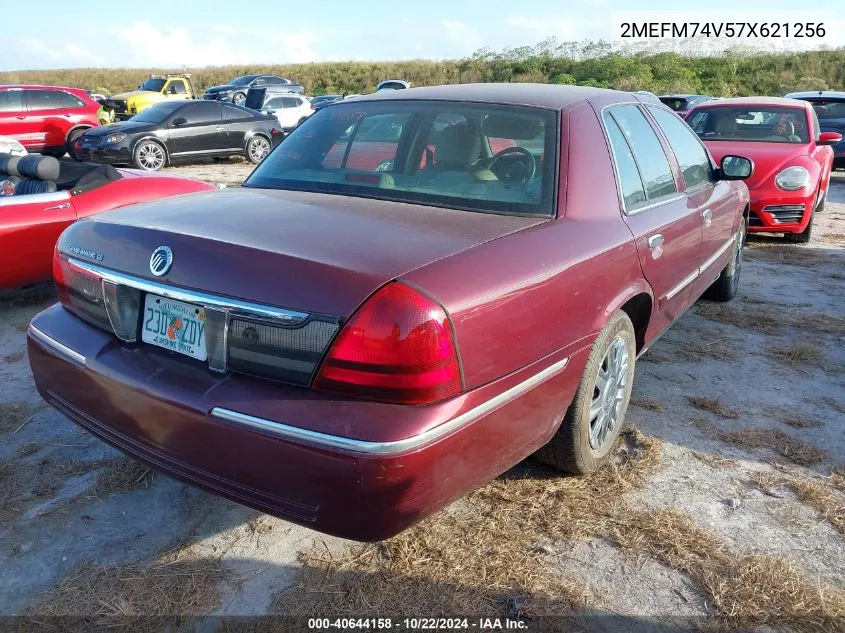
[
  {"x": 578, "y": 446},
  {"x": 149, "y": 156},
  {"x": 71, "y": 139},
  {"x": 257, "y": 149},
  {"x": 238, "y": 98},
  {"x": 800, "y": 238},
  {"x": 726, "y": 286}
]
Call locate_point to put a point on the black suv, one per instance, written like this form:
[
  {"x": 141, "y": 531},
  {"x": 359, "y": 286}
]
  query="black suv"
[{"x": 236, "y": 90}]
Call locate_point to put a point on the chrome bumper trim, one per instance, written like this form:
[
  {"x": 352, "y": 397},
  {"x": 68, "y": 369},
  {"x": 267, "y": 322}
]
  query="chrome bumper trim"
[
  {"x": 57, "y": 348},
  {"x": 298, "y": 434},
  {"x": 233, "y": 306}
]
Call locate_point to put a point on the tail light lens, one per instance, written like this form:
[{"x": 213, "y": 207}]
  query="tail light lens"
[
  {"x": 80, "y": 292},
  {"x": 399, "y": 347}
]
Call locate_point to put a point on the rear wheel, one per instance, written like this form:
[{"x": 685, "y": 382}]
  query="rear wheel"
[
  {"x": 593, "y": 421},
  {"x": 725, "y": 287},
  {"x": 257, "y": 148},
  {"x": 239, "y": 98},
  {"x": 71, "y": 139},
  {"x": 800, "y": 238},
  {"x": 149, "y": 156}
]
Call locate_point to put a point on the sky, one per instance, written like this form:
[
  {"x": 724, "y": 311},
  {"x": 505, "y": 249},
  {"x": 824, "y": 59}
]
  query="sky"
[{"x": 189, "y": 33}]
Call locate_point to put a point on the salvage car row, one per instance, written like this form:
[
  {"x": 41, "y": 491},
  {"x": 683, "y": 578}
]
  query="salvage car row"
[{"x": 382, "y": 318}]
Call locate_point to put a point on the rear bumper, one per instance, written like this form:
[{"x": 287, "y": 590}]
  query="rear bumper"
[
  {"x": 776, "y": 211},
  {"x": 212, "y": 431}
]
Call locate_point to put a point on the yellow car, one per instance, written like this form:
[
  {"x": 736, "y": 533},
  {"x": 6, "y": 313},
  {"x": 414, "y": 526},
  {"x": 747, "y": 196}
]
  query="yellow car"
[{"x": 154, "y": 90}]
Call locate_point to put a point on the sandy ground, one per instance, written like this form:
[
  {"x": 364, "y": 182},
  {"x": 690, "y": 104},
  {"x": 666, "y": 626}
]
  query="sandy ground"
[{"x": 765, "y": 368}]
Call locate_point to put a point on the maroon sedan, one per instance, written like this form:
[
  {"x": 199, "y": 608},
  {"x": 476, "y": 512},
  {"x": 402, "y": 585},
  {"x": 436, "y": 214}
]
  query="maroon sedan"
[{"x": 352, "y": 349}]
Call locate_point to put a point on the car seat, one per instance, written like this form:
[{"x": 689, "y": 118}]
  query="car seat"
[
  {"x": 458, "y": 147},
  {"x": 38, "y": 174}
]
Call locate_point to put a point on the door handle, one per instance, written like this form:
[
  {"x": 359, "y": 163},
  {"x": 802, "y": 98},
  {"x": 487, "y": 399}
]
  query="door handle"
[
  {"x": 64, "y": 205},
  {"x": 21, "y": 117},
  {"x": 655, "y": 241},
  {"x": 221, "y": 129},
  {"x": 707, "y": 216}
]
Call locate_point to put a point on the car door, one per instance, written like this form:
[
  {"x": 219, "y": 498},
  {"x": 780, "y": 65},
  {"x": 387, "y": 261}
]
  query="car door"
[
  {"x": 29, "y": 228},
  {"x": 666, "y": 230},
  {"x": 238, "y": 122},
  {"x": 49, "y": 116},
  {"x": 715, "y": 201},
  {"x": 197, "y": 129}
]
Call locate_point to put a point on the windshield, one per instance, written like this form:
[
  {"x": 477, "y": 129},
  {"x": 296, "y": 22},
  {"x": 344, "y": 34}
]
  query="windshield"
[
  {"x": 153, "y": 85},
  {"x": 242, "y": 80},
  {"x": 157, "y": 113},
  {"x": 492, "y": 158},
  {"x": 770, "y": 124},
  {"x": 827, "y": 109}
]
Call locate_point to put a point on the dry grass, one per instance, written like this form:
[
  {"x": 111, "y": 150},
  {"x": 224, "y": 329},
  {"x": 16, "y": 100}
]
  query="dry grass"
[
  {"x": 822, "y": 495},
  {"x": 787, "y": 254},
  {"x": 25, "y": 450},
  {"x": 833, "y": 403},
  {"x": 772, "y": 319},
  {"x": 13, "y": 415},
  {"x": 698, "y": 351},
  {"x": 492, "y": 560},
  {"x": 653, "y": 357},
  {"x": 715, "y": 461},
  {"x": 714, "y": 405},
  {"x": 798, "y": 355},
  {"x": 177, "y": 583},
  {"x": 745, "y": 590},
  {"x": 34, "y": 296},
  {"x": 122, "y": 475},
  {"x": 15, "y": 357},
  {"x": 834, "y": 238},
  {"x": 777, "y": 441},
  {"x": 792, "y": 419},
  {"x": 648, "y": 404}
]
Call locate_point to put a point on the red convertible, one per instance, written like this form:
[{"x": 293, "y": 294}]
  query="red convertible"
[
  {"x": 792, "y": 157},
  {"x": 354, "y": 348},
  {"x": 41, "y": 196}
]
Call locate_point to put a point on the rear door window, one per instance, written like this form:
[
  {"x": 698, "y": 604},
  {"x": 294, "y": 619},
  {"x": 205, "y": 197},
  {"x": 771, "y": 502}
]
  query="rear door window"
[
  {"x": 231, "y": 113},
  {"x": 647, "y": 150},
  {"x": 690, "y": 153},
  {"x": 202, "y": 112},
  {"x": 633, "y": 192},
  {"x": 11, "y": 100},
  {"x": 52, "y": 100}
]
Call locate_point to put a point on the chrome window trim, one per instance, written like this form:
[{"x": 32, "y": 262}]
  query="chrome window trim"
[
  {"x": 298, "y": 434},
  {"x": 651, "y": 203},
  {"x": 234, "y": 307},
  {"x": 58, "y": 348},
  {"x": 712, "y": 180}
]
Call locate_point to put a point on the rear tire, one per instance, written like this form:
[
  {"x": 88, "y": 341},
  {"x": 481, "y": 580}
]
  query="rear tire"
[
  {"x": 257, "y": 149},
  {"x": 800, "y": 238},
  {"x": 239, "y": 98},
  {"x": 584, "y": 440},
  {"x": 71, "y": 139},
  {"x": 726, "y": 286}
]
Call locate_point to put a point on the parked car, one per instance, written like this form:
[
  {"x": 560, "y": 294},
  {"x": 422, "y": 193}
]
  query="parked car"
[
  {"x": 43, "y": 196},
  {"x": 682, "y": 104},
  {"x": 792, "y": 156},
  {"x": 154, "y": 90},
  {"x": 290, "y": 110},
  {"x": 257, "y": 96},
  {"x": 176, "y": 131},
  {"x": 393, "y": 84},
  {"x": 46, "y": 119},
  {"x": 235, "y": 91},
  {"x": 829, "y": 106},
  {"x": 8, "y": 145},
  {"x": 354, "y": 349}
]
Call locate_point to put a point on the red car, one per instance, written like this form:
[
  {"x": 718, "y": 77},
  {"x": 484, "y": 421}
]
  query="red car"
[
  {"x": 46, "y": 119},
  {"x": 352, "y": 349},
  {"x": 34, "y": 211},
  {"x": 792, "y": 157}
]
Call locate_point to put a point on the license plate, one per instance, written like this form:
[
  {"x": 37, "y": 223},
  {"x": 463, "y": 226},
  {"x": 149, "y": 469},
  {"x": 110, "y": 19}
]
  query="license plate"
[{"x": 174, "y": 325}]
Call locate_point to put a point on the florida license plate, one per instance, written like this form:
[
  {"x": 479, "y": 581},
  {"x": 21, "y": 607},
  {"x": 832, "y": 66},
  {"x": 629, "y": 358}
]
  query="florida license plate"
[{"x": 174, "y": 325}]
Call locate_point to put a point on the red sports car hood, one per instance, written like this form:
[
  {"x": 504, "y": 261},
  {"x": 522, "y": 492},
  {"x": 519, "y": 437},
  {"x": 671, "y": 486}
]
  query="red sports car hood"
[
  {"x": 769, "y": 158},
  {"x": 318, "y": 253}
]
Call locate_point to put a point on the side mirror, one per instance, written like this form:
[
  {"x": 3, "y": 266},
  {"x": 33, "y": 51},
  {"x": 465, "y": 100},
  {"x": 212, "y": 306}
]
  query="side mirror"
[
  {"x": 736, "y": 168},
  {"x": 180, "y": 120},
  {"x": 829, "y": 138},
  {"x": 270, "y": 111}
]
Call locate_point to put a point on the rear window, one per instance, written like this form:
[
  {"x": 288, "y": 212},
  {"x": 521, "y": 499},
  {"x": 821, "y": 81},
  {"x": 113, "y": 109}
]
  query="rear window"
[
  {"x": 827, "y": 109},
  {"x": 490, "y": 158},
  {"x": 675, "y": 103},
  {"x": 766, "y": 124}
]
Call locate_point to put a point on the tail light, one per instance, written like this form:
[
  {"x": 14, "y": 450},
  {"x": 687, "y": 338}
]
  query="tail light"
[
  {"x": 399, "y": 347},
  {"x": 79, "y": 291}
]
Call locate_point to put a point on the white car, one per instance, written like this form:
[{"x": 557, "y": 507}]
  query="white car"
[
  {"x": 11, "y": 146},
  {"x": 290, "y": 110}
]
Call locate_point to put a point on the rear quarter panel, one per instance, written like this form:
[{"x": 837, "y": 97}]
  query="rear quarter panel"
[{"x": 547, "y": 290}]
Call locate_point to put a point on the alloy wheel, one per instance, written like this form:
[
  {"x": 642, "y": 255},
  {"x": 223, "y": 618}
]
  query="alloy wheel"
[
  {"x": 151, "y": 156},
  {"x": 239, "y": 99},
  {"x": 259, "y": 147},
  {"x": 609, "y": 394}
]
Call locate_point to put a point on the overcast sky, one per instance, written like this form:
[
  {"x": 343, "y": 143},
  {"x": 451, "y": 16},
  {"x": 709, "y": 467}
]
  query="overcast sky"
[{"x": 217, "y": 32}]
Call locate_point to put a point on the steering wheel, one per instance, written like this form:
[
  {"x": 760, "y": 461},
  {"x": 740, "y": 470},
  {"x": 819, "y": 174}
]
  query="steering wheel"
[{"x": 515, "y": 164}]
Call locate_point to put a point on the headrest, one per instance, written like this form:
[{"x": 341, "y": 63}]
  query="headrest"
[
  {"x": 37, "y": 166},
  {"x": 457, "y": 146},
  {"x": 9, "y": 164}
]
